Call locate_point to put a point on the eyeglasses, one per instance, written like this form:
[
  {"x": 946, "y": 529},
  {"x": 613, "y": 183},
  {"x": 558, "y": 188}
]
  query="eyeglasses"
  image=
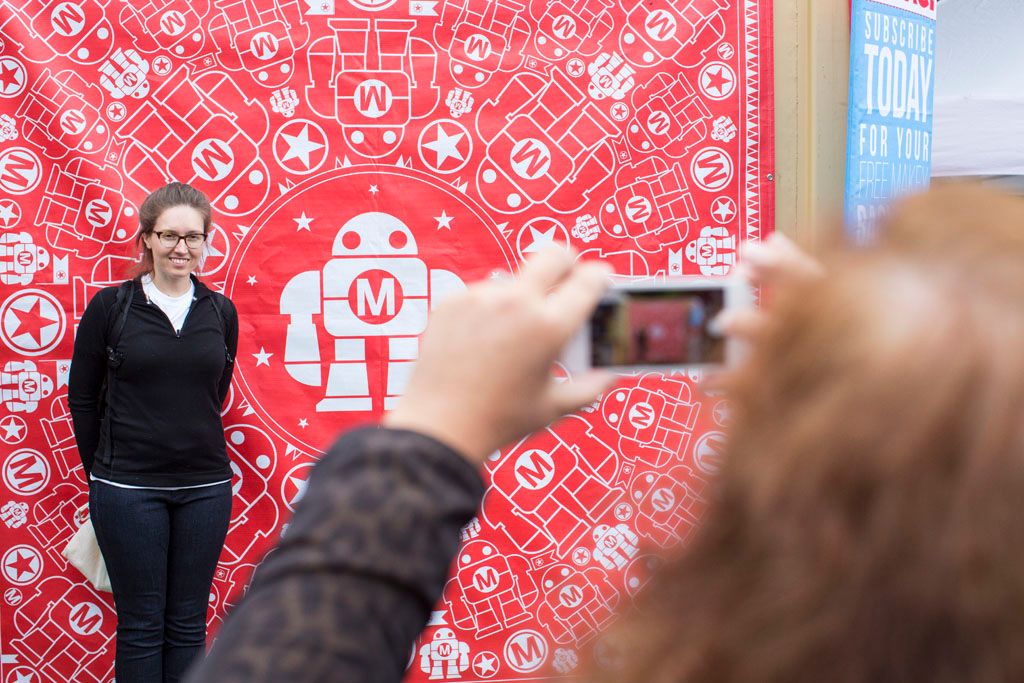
[{"x": 170, "y": 239}]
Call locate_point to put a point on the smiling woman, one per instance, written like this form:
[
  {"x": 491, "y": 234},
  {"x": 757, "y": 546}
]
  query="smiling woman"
[{"x": 152, "y": 364}]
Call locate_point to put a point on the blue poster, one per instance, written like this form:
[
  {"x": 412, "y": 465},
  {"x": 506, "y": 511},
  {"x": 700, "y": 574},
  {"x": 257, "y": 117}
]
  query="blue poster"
[{"x": 892, "y": 86}]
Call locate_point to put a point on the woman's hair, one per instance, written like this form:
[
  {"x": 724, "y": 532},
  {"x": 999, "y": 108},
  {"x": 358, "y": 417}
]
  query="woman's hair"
[
  {"x": 158, "y": 201},
  {"x": 867, "y": 521}
]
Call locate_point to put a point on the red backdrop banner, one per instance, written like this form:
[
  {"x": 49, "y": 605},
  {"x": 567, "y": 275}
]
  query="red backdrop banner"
[{"x": 365, "y": 158}]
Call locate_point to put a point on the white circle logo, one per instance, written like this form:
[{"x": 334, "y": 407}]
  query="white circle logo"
[{"x": 373, "y": 98}]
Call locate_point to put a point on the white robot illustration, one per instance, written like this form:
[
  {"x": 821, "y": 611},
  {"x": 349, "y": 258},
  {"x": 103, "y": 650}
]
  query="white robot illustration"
[
  {"x": 20, "y": 258},
  {"x": 615, "y": 545},
  {"x": 713, "y": 250},
  {"x": 445, "y": 656},
  {"x": 22, "y": 386},
  {"x": 375, "y": 285},
  {"x": 60, "y": 114}
]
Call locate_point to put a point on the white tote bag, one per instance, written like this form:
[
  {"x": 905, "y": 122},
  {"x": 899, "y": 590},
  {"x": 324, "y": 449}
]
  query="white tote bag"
[{"x": 84, "y": 553}]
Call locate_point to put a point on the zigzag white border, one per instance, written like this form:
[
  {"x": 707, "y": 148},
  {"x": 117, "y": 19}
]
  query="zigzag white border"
[{"x": 752, "y": 140}]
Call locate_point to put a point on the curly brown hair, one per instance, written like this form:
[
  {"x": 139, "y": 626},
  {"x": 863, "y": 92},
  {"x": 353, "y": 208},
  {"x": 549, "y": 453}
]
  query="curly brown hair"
[
  {"x": 156, "y": 202},
  {"x": 865, "y": 523}
]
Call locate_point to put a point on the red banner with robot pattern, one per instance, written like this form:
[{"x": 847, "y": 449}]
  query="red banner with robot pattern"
[{"x": 364, "y": 159}]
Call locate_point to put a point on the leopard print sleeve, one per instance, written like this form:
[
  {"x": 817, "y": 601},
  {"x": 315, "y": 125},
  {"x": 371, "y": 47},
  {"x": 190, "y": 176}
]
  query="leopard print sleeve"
[{"x": 364, "y": 559}]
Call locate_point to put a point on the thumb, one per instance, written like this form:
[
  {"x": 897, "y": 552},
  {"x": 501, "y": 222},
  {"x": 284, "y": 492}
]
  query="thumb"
[{"x": 580, "y": 391}]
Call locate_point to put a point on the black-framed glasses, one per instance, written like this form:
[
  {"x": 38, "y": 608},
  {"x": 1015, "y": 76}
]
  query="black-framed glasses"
[{"x": 170, "y": 239}]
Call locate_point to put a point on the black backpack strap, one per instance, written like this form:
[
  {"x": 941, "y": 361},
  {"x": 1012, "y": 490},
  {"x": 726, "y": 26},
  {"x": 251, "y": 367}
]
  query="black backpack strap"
[
  {"x": 122, "y": 304},
  {"x": 217, "y": 303}
]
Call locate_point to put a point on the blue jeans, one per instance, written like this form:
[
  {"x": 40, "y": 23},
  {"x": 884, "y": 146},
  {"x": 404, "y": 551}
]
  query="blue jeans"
[{"x": 161, "y": 549}]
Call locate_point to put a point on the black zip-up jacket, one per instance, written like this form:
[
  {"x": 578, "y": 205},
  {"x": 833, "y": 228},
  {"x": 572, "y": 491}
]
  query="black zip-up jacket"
[{"x": 163, "y": 413}]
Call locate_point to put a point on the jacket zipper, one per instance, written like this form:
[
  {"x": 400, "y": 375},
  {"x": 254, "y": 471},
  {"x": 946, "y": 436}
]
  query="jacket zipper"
[{"x": 177, "y": 333}]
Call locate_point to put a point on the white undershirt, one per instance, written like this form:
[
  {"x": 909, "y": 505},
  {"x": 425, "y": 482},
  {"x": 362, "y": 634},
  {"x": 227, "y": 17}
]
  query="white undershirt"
[{"x": 175, "y": 307}]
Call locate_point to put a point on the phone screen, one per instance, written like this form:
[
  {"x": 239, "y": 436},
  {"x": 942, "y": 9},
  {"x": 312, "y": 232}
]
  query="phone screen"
[{"x": 657, "y": 327}]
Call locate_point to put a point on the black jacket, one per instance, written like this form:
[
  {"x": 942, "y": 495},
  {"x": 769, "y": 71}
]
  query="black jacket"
[
  {"x": 163, "y": 425},
  {"x": 363, "y": 562}
]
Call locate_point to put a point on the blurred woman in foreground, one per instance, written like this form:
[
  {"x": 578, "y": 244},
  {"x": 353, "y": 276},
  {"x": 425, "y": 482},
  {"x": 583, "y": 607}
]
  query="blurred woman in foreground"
[
  {"x": 867, "y": 520},
  {"x": 865, "y": 523}
]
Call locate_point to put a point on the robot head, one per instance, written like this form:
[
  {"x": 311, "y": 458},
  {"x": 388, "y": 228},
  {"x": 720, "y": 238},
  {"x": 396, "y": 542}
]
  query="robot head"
[
  {"x": 374, "y": 233},
  {"x": 691, "y": 251},
  {"x": 642, "y": 486},
  {"x": 444, "y": 634},
  {"x": 556, "y": 576},
  {"x": 600, "y": 530},
  {"x": 476, "y": 551}
]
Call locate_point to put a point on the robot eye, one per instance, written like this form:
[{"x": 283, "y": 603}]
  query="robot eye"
[
  {"x": 350, "y": 240},
  {"x": 398, "y": 239}
]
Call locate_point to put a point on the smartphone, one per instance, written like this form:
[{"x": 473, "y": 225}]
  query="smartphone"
[{"x": 664, "y": 325}]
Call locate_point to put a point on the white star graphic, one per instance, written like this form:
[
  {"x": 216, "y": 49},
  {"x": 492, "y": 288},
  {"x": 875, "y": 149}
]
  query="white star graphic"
[
  {"x": 303, "y": 222},
  {"x": 445, "y": 146},
  {"x": 485, "y": 664},
  {"x": 303, "y": 423},
  {"x": 541, "y": 240},
  {"x": 7, "y": 213},
  {"x": 251, "y": 280},
  {"x": 373, "y": 189},
  {"x": 24, "y": 678},
  {"x": 300, "y": 146},
  {"x": 262, "y": 358},
  {"x": 444, "y": 220},
  {"x": 723, "y": 211},
  {"x": 12, "y": 429}
]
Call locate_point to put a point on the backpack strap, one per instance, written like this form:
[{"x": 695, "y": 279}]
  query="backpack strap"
[
  {"x": 217, "y": 303},
  {"x": 122, "y": 304}
]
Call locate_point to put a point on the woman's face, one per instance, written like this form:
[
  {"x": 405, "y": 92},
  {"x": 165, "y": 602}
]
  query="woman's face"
[{"x": 179, "y": 260}]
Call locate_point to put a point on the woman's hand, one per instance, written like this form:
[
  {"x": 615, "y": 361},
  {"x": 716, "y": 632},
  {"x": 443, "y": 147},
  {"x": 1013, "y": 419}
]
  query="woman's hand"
[
  {"x": 778, "y": 261},
  {"x": 483, "y": 378}
]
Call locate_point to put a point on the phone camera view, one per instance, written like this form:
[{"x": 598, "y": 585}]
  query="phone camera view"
[{"x": 657, "y": 328}]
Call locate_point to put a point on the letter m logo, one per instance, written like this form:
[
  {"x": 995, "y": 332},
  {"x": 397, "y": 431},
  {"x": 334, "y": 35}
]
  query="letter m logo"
[
  {"x": 478, "y": 47},
  {"x": 68, "y": 19},
  {"x": 172, "y": 23},
  {"x": 85, "y": 618},
  {"x": 534, "y": 469},
  {"x": 660, "y": 25},
  {"x": 530, "y": 158},
  {"x": 485, "y": 579},
  {"x": 370, "y": 303}
]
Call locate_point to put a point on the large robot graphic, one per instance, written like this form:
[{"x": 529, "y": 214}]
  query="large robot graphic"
[
  {"x": 375, "y": 285},
  {"x": 488, "y": 592},
  {"x": 204, "y": 145},
  {"x": 372, "y": 77},
  {"x": 654, "y": 419},
  {"x": 173, "y": 25},
  {"x": 263, "y": 38},
  {"x": 670, "y": 116},
  {"x": 550, "y": 492},
  {"x": 84, "y": 211},
  {"x": 571, "y": 28},
  {"x": 652, "y": 205},
  {"x": 543, "y": 135},
  {"x": 67, "y": 629},
  {"x": 49, "y": 29},
  {"x": 667, "y": 505},
  {"x": 61, "y": 113},
  {"x": 657, "y": 30},
  {"x": 482, "y": 37},
  {"x": 577, "y": 603}
]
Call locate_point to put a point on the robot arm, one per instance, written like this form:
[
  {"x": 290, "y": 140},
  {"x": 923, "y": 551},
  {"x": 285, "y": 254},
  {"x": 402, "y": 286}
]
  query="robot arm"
[
  {"x": 443, "y": 283},
  {"x": 300, "y": 300}
]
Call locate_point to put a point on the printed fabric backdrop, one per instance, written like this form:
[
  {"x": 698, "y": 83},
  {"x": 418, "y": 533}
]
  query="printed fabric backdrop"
[{"x": 365, "y": 158}]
